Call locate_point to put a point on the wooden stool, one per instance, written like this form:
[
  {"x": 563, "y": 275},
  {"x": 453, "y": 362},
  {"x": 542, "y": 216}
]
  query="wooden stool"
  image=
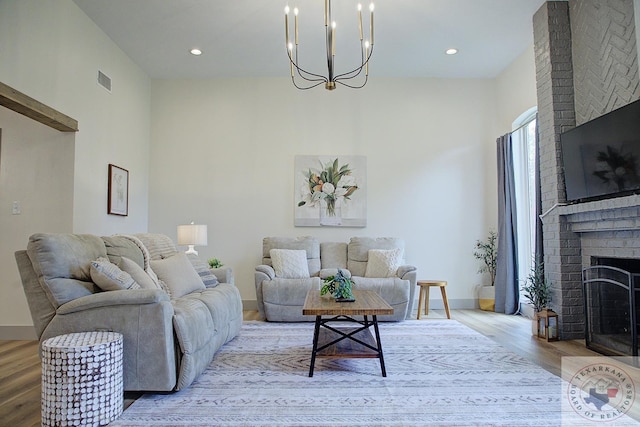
[{"x": 424, "y": 295}]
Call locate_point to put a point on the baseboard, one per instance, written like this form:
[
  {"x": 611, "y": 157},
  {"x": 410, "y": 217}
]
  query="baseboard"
[
  {"x": 434, "y": 303},
  {"x": 21, "y": 333}
]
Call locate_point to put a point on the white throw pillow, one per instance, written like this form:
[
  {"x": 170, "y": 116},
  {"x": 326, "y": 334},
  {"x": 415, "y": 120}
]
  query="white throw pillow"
[
  {"x": 139, "y": 275},
  {"x": 108, "y": 276},
  {"x": 290, "y": 263},
  {"x": 383, "y": 262},
  {"x": 178, "y": 274}
]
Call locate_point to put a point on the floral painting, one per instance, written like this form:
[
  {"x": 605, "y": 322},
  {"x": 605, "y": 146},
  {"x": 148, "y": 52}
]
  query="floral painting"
[{"x": 330, "y": 191}]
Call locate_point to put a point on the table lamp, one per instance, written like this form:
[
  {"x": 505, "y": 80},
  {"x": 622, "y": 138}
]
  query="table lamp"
[{"x": 192, "y": 235}]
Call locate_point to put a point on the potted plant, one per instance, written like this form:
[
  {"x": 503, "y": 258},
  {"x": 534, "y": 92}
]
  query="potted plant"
[
  {"x": 340, "y": 286},
  {"x": 538, "y": 291},
  {"x": 215, "y": 263},
  {"x": 487, "y": 252}
]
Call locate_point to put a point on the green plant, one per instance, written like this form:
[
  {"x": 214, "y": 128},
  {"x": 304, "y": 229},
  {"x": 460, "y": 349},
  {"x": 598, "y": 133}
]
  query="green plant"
[
  {"x": 487, "y": 252},
  {"x": 340, "y": 286},
  {"x": 215, "y": 263},
  {"x": 537, "y": 289}
]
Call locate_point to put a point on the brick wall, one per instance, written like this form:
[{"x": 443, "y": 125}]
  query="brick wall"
[{"x": 586, "y": 65}]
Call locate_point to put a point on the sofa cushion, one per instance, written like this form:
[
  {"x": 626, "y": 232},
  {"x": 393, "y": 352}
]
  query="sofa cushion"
[
  {"x": 109, "y": 277},
  {"x": 121, "y": 246},
  {"x": 308, "y": 243},
  {"x": 383, "y": 262},
  {"x": 159, "y": 245},
  {"x": 194, "y": 330},
  {"x": 178, "y": 274},
  {"x": 392, "y": 289},
  {"x": 204, "y": 271},
  {"x": 139, "y": 275},
  {"x": 288, "y": 291},
  {"x": 225, "y": 306},
  {"x": 333, "y": 255},
  {"x": 358, "y": 251},
  {"x": 290, "y": 263},
  {"x": 62, "y": 264}
]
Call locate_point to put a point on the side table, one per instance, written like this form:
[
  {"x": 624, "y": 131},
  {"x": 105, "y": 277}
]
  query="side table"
[
  {"x": 424, "y": 295},
  {"x": 82, "y": 379}
]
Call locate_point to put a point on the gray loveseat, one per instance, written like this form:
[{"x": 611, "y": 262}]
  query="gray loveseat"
[
  {"x": 280, "y": 299},
  {"x": 173, "y": 312}
]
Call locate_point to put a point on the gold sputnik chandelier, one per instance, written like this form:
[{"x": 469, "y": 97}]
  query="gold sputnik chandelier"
[{"x": 303, "y": 79}]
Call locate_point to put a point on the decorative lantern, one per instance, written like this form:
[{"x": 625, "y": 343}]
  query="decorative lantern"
[{"x": 547, "y": 325}]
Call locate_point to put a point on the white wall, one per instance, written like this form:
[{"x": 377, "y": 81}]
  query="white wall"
[
  {"x": 223, "y": 153},
  {"x": 515, "y": 90},
  {"x": 51, "y": 51},
  {"x": 36, "y": 170}
]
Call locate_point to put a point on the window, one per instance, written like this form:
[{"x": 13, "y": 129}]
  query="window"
[{"x": 524, "y": 162}]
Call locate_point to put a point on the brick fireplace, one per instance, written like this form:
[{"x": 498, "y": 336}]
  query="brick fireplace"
[{"x": 586, "y": 66}]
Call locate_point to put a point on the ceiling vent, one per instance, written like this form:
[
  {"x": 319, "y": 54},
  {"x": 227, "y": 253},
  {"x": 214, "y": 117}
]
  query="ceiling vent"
[{"x": 104, "y": 80}]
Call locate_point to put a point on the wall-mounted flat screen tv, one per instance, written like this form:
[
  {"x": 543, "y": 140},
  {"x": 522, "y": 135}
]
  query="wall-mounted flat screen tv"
[{"x": 601, "y": 158}]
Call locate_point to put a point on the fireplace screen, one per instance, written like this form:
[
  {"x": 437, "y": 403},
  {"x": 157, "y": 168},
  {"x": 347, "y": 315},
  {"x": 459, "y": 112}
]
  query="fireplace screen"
[{"x": 611, "y": 297}]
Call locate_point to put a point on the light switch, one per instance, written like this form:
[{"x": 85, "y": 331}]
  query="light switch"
[{"x": 16, "y": 209}]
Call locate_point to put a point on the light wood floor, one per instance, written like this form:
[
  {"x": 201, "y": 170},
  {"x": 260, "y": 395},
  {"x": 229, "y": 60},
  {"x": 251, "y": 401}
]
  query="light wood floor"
[{"x": 20, "y": 364}]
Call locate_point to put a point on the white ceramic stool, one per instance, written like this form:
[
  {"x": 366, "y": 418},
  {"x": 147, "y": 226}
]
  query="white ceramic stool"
[{"x": 82, "y": 379}]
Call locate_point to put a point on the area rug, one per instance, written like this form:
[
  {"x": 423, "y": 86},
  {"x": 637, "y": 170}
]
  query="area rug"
[{"x": 439, "y": 373}]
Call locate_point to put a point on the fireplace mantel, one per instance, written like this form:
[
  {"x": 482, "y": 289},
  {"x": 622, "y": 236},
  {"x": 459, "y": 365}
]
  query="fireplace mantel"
[{"x": 616, "y": 214}]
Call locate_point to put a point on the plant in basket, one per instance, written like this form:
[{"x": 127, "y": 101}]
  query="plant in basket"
[{"x": 339, "y": 286}]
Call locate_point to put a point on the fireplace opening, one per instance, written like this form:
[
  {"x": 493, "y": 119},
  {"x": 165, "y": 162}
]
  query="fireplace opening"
[{"x": 612, "y": 298}]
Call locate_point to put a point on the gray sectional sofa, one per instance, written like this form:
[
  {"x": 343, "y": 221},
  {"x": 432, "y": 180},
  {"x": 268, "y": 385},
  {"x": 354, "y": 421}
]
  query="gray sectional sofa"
[
  {"x": 173, "y": 312},
  {"x": 280, "y": 299}
]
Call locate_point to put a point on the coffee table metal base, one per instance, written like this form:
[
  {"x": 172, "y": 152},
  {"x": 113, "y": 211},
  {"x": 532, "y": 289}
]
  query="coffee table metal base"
[{"x": 356, "y": 342}]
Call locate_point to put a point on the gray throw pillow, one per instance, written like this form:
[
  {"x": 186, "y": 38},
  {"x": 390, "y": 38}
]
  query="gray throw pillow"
[
  {"x": 139, "y": 275},
  {"x": 178, "y": 274},
  {"x": 204, "y": 271},
  {"x": 108, "y": 276}
]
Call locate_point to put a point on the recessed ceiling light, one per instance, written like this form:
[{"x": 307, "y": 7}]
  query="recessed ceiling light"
[
  {"x": 451, "y": 51},
  {"x": 195, "y": 51}
]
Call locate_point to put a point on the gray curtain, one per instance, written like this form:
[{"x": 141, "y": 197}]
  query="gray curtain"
[
  {"x": 539, "y": 255},
  {"x": 507, "y": 293}
]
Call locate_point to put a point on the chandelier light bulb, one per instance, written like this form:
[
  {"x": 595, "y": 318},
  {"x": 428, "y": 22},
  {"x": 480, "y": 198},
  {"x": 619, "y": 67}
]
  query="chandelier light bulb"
[{"x": 355, "y": 78}]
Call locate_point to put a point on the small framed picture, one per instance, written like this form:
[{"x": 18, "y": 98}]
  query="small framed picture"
[{"x": 118, "y": 201}]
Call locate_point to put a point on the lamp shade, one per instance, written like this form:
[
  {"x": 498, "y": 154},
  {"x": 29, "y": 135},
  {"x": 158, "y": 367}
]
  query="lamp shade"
[{"x": 192, "y": 234}]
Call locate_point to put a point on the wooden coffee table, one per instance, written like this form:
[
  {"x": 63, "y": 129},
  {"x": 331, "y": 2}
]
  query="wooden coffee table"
[{"x": 356, "y": 342}]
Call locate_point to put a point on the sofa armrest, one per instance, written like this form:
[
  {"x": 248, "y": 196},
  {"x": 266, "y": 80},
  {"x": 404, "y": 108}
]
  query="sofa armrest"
[
  {"x": 267, "y": 270},
  {"x": 404, "y": 269},
  {"x": 263, "y": 273},
  {"x": 410, "y": 273},
  {"x": 144, "y": 317},
  {"x": 113, "y": 298},
  {"x": 224, "y": 274}
]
